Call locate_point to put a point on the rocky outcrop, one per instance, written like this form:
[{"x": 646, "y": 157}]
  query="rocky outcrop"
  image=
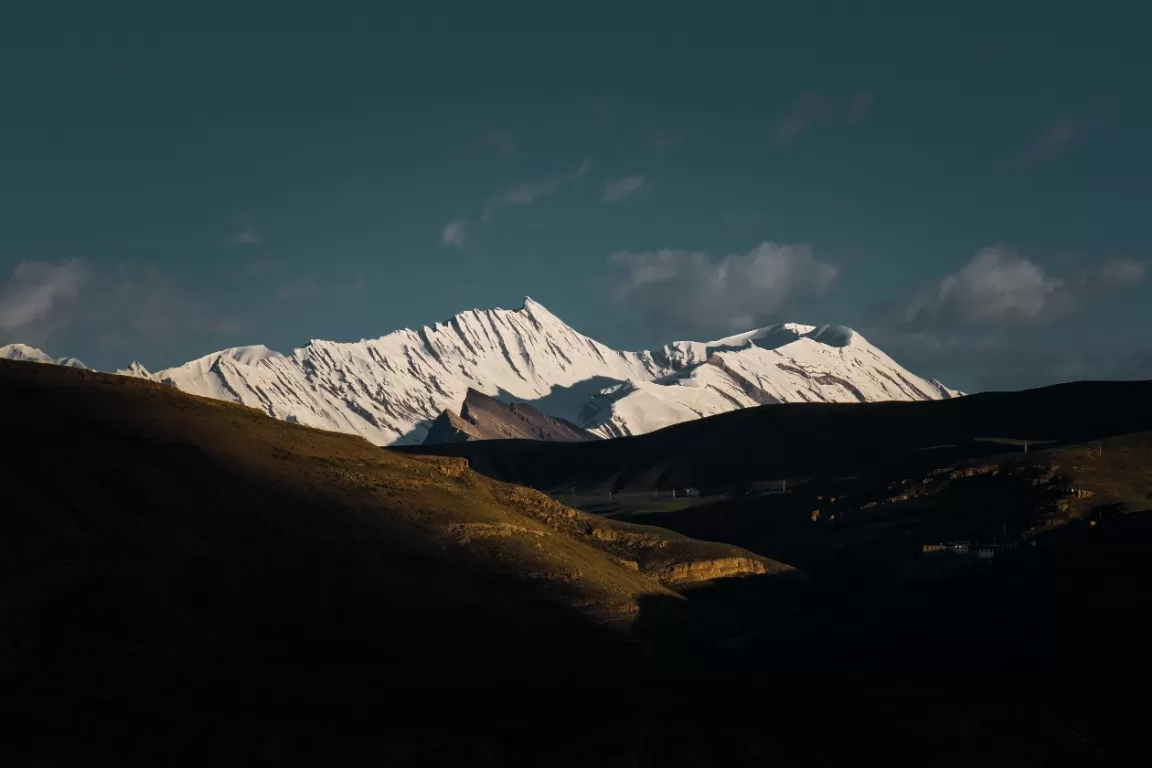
[
  {"x": 694, "y": 571},
  {"x": 672, "y": 559},
  {"x": 485, "y": 418}
]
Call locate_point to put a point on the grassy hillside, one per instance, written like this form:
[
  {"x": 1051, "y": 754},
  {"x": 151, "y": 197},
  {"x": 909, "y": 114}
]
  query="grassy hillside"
[{"x": 143, "y": 526}]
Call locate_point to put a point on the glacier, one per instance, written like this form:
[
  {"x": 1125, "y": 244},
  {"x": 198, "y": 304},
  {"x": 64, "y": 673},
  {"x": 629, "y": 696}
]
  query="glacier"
[{"x": 389, "y": 390}]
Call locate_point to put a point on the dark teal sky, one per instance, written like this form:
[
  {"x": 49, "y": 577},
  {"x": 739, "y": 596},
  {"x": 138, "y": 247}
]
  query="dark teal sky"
[{"x": 174, "y": 184}]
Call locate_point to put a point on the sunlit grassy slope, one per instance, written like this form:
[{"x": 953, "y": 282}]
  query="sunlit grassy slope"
[{"x": 139, "y": 523}]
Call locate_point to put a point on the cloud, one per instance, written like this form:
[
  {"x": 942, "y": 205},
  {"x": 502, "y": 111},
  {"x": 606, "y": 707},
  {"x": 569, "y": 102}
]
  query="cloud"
[
  {"x": 528, "y": 192},
  {"x": 245, "y": 234},
  {"x": 995, "y": 287},
  {"x": 34, "y": 298},
  {"x": 663, "y": 142},
  {"x": 810, "y": 108},
  {"x": 300, "y": 288},
  {"x": 622, "y": 188},
  {"x": 454, "y": 232},
  {"x": 262, "y": 266},
  {"x": 998, "y": 287},
  {"x": 734, "y": 293},
  {"x": 140, "y": 303},
  {"x": 980, "y": 327},
  {"x": 503, "y": 142},
  {"x": 1054, "y": 138},
  {"x": 1122, "y": 272}
]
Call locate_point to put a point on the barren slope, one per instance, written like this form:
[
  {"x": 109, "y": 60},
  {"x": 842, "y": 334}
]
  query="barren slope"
[
  {"x": 141, "y": 523},
  {"x": 485, "y": 418}
]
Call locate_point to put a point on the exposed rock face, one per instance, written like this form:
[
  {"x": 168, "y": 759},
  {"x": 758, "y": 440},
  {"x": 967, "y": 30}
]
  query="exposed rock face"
[
  {"x": 486, "y": 418},
  {"x": 709, "y": 569}
]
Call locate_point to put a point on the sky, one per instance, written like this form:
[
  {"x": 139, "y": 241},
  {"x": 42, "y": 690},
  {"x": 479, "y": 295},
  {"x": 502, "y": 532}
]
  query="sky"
[{"x": 969, "y": 191}]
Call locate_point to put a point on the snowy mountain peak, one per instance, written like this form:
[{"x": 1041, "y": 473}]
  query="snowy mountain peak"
[
  {"x": 33, "y": 355},
  {"x": 391, "y": 389},
  {"x": 136, "y": 369}
]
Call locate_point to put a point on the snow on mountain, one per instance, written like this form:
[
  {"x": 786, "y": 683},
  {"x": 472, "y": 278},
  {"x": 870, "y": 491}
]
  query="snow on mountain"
[
  {"x": 33, "y": 355},
  {"x": 796, "y": 363},
  {"x": 391, "y": 389}
]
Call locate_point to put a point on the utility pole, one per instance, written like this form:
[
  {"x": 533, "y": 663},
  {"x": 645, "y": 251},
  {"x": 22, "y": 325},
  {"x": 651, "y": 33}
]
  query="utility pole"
[
  {"x": 1025, "y": 446},
  {"x": 784, "y": 486}
]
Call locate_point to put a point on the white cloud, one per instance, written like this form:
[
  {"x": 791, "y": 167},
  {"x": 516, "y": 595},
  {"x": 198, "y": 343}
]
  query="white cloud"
[
  {"x": 32, "y": 298},
  {"x": 141, "y": 304},
  {"x": 300, "y": 288},
  {"x": 1053, "y": 138},
  {"x": 245, "y": 233},
  {"x": 820, "y": 107},
  {"x": 622, "y": 188},
  {"x": 996, "y": 286},
  {"x": 663, "y": 142},
  {"x": 1121, "y": 272},
  {"x": 454, "y": 232},
  {"x": 503, "y": 142},
  {"x": 528, "y": 192},
  {"x": 1000, "y": 287},
  {"x": 730, "y": 294}
]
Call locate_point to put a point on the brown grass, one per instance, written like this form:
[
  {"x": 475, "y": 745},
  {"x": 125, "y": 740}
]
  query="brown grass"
[{"x": 117, "y": 479}]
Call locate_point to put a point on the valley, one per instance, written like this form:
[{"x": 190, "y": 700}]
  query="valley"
[{"x": 200, "y": 560}]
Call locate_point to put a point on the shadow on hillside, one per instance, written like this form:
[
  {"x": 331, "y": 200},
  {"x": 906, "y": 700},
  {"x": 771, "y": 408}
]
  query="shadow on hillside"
[
  {"x": 164, "y": 603},
  {"x": 567, "y": 402},
  {"x": 562, "y": 402},
  {"x": 129, "y": 546},
  {"x": 773, "y": 442}
]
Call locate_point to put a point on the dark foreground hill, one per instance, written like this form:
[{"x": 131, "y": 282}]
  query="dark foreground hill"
[
  {"x": 805, "y": 440},
  {"x": 144, "y": 526},
  {"x": 187, "y": 582}
]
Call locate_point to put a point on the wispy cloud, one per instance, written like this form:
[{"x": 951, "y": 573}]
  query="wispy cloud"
[
  {"x": 502, "y": 142},
  {"x": 660, "y": 142},
  {"x": 1053, "y": 138},
  {"x": 733, "y": 293},
  {"x": 527, "y": 192},
  {"x": 620, "y": 189},
  {"x": 35, "y": 299},
  {"x": 244, "y": 233},
  {"x": 816, "y": 107},
  {"x": 454, "y": 233},
  {"x": 261, "y": 266},
  {"x": 300, "y": 288},
  {"x": 1121, "y": 272},
  {"x": 139, "y": 304},
  {"x": 989, "y": 322},
  {"x": 999, "y": 287}
]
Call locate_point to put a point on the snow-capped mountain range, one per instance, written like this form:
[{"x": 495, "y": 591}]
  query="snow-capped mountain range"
[
  {"x": 33, "y": 355},
  {"x": 390, "y": 389}
]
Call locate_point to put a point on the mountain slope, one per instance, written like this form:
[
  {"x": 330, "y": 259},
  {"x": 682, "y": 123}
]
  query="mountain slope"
[
  {"x": 390, "y": 390},
  {"x": 485, "y": 418},
  {"x": 810, "y": 440},
  {"x": 144, "y": 525},
  {"x": 29, "y": 354},
  {"x": 805, "y": 364}
]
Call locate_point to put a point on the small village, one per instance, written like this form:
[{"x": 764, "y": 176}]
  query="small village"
[{"x": 980, "y": 551}]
